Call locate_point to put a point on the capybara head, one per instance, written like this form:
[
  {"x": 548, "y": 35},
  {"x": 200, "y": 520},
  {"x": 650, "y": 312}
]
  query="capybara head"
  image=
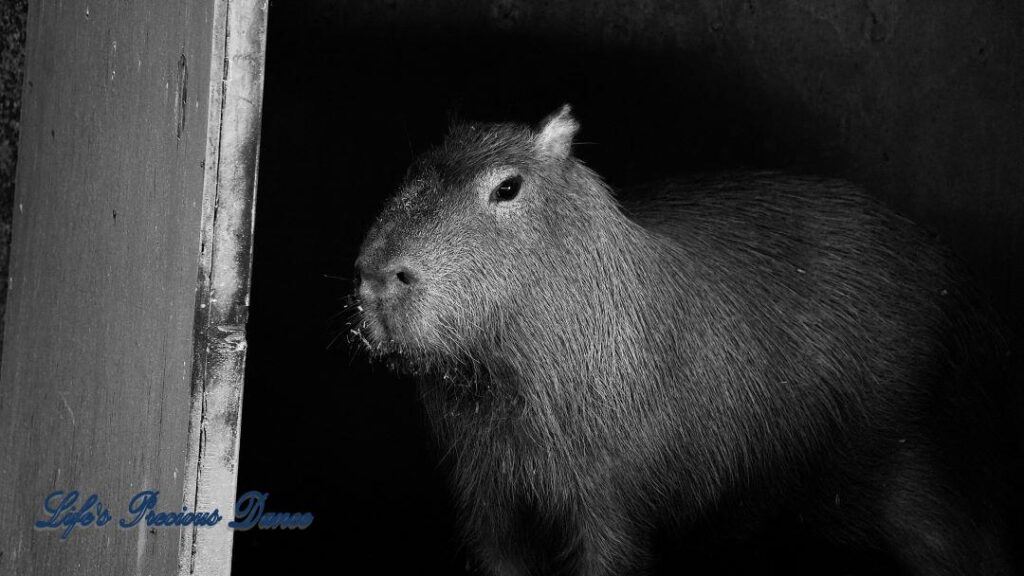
[{"x": 477, "y": 224}]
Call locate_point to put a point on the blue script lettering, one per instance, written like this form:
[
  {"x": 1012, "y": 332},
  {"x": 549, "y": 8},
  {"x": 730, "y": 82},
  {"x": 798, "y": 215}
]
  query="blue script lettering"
[
  {"x": 143, "y": 506},
  {"x": 63, "y": 512},
  {"x": 139, "y": 505},
  {"x": 249, "y": 513},
  {"x": 66, "y": 510}
]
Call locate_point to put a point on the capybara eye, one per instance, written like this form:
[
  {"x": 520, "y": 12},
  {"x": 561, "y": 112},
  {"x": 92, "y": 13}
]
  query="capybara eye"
[{"x": 507, "y": 190}]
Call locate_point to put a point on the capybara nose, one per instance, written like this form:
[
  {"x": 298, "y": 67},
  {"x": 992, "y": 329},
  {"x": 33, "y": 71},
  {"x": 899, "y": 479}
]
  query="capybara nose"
[{"x": 376, "y": 282}]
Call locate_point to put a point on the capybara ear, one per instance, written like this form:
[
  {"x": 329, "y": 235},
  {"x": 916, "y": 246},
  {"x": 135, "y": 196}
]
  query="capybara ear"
[{"x": 555, "y": 134}]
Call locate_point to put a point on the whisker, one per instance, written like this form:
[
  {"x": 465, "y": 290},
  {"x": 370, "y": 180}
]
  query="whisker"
[{"x": 337, "y": 277}]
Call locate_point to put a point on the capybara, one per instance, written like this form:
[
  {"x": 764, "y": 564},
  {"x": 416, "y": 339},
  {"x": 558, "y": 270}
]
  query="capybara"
[{"x": 722, "y": 358}]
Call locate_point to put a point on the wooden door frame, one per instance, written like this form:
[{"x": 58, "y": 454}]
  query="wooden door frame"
[
  {"x": 125, "y": 341},
  {"x": 222, "y": 295}
]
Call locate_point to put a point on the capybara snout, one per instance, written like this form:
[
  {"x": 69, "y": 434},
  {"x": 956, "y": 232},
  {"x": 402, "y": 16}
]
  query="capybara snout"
[{"x": 380, "y": 282}]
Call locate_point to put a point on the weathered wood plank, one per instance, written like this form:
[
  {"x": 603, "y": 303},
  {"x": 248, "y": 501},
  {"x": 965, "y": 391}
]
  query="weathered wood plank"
[
  {"x": 222, "y": 302},
  {"x": 122, "y": 151}
]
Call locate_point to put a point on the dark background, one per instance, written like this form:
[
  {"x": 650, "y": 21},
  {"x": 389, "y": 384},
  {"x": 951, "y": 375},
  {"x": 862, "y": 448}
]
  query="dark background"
[{"x": 921, "y": 102}]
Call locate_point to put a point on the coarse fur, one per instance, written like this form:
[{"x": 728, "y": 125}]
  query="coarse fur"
[{"x": 722, "y": 357}]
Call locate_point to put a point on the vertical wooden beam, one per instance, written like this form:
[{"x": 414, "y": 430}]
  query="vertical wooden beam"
[
  {"x": 223, "y": 298},
  {"x": 120, "y": 372},
  {"x": 94, "y": 389}
]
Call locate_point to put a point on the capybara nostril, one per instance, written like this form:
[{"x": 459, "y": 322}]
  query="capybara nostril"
[{"x": 406, "y": 276}]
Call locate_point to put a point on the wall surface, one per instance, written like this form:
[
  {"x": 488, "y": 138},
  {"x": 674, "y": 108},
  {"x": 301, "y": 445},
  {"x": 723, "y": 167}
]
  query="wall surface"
[
  {"x": 920, "y": 101},
  {"x": 95, "y": 382}
]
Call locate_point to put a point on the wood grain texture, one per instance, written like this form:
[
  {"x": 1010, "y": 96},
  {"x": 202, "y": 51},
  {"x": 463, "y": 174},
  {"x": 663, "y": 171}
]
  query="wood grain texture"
[
  {"x": 96, "y": 376},
  {"x": 222, "y": 301}
]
